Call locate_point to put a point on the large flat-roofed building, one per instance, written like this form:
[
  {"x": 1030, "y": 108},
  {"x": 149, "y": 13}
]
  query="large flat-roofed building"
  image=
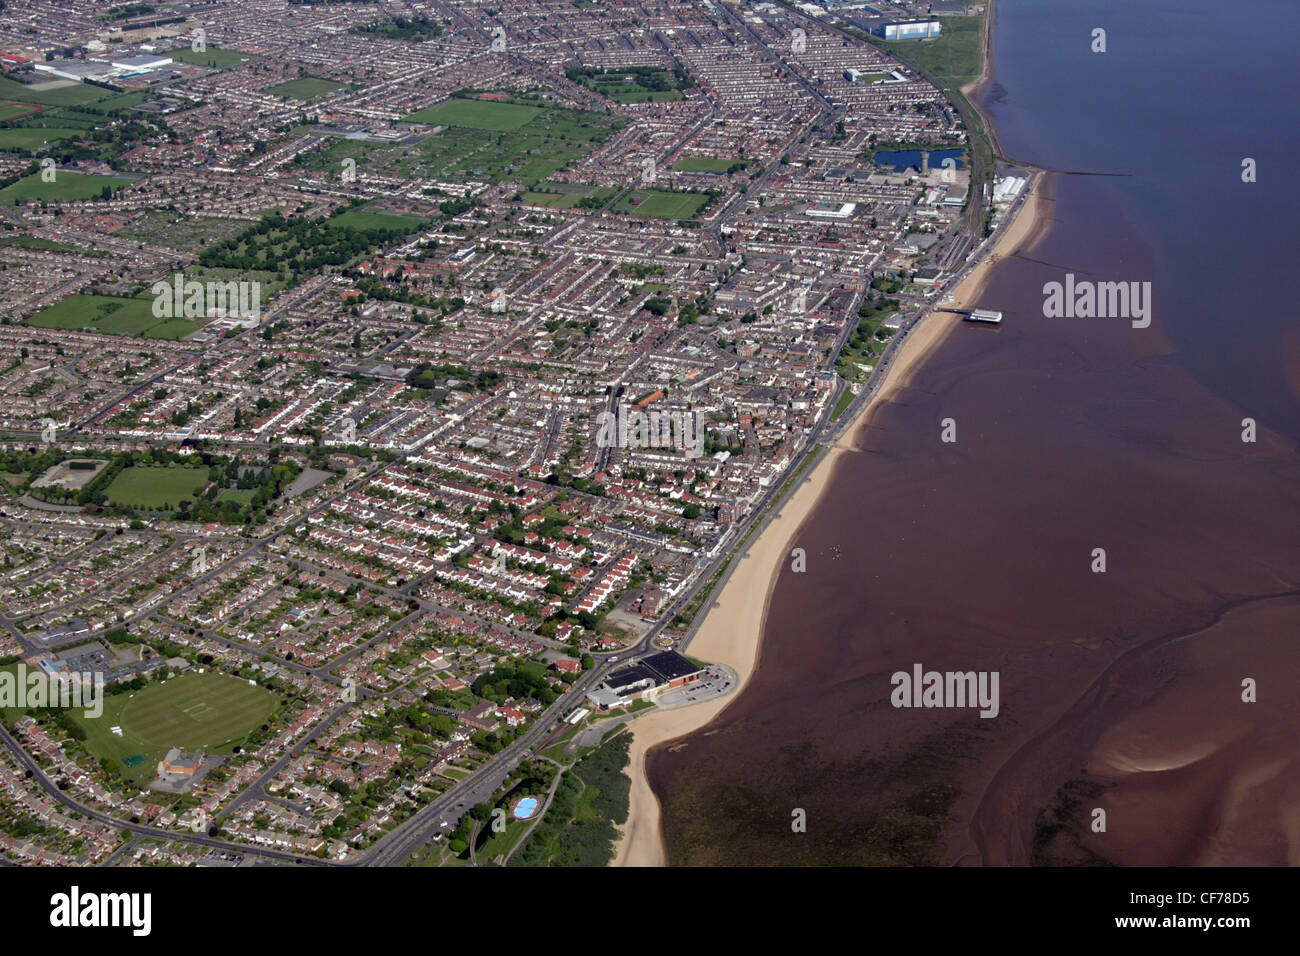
[
  {"x": 1007, "y": 189},
  {"x": 135, "y": 64},
  {"x": 830, "y": 210},
  {"x": 909, "y": 30},
  {"x": 78, "y": 70},
  {"x": 649, "y": 675}
]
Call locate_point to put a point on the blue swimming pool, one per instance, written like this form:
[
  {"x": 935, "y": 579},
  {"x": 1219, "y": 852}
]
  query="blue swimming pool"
[{"x": 525, "y": 808}]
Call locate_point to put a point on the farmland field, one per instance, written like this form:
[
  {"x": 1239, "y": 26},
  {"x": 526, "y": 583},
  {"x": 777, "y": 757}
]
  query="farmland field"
[
  {"x": 476, "y": 114},
  {"x": 109, "y": 313},
  {"x": 212, "y": 711},
  {"x": 66, "y": 187},
  {"x": 155, "y": 487}
]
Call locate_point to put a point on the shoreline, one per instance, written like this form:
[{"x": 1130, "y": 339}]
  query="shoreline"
[
  {"x": 975, "y": 87},
  {"x": 731, "y": 632}
]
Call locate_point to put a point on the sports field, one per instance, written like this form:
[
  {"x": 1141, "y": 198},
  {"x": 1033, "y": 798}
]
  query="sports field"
[
  {"x": 305, "y": 88},
  {"x": 111, "y": 313},
  {"x": 213, "y": 711},
  {"x": 661, "y": 204},
  {"x": 567, "y": 195},
  {"x": 476, "y": 114},
  {"x": 66, "y": 186},
  {"x": 156, "y": 487},
  {"x": 34, "y": 136},
  {"x": 10, "y": 111},
  {"x": 55, "y": 93}
]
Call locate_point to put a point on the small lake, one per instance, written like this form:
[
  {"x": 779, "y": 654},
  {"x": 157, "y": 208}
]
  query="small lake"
[{"x": 912, "y": 157}]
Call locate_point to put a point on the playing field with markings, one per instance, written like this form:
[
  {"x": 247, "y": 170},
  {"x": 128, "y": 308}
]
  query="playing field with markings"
[
  {"x": 196, "y": 710},
  {"x": 661, "y": 204},
  {"x": 213, "y": 711}
]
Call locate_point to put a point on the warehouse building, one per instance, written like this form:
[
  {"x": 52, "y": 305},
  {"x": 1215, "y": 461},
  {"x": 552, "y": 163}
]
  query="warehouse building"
[{"x": 909, "y": 30}]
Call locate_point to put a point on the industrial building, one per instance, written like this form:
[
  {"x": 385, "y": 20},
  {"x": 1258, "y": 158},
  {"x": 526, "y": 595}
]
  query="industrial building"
[
  {"x": 1007, "y": 189},
  {"x": 909, "y": 30},
  {"x": 82, "y": 70},
  {"x": 831, "y": 210}
]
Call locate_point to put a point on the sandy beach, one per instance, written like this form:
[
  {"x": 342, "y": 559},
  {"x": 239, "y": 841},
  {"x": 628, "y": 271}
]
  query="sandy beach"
[{"x": 731, "y": 633}]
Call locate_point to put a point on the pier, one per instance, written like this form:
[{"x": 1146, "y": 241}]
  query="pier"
[{"x": 988, "y": 316}]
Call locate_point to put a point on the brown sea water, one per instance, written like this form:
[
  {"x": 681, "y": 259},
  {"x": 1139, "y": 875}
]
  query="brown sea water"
[{"x": 1120, "y": 691}]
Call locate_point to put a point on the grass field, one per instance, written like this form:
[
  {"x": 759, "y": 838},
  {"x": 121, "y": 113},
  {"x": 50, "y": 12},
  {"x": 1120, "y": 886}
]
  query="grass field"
[
  {"x": 362, "y": 219},
  {"x": 568, "y": 197},
  {"x": 661, "y": 204},
  {"x": 74, "y": 94},
  {"x": 32, "y": 137},
  {"x": 305, "y": 88},
  {"x": 10, "y": 111},
  {"x": 212, "y": 711},
  {"x": 65, "y": 188},
  {"x": 154, "y": 487},
  {"x": 952, "y": 60},
  {"x": 645, "y": 96},
  {"x": 35, "y": 242},
  {"x": 480, "y": 141},
  {"x": 113, "y": 314},
  {"x": 173, "y": 330},
  {"x": 707, "y": 164},
  {"x": 554, "y": 200},
  {"x": 123, "y": 101},
  {"x": 476, "y": 114},
  {"x": 220, "y": 59},
  {"x": 632, "y": 86}
]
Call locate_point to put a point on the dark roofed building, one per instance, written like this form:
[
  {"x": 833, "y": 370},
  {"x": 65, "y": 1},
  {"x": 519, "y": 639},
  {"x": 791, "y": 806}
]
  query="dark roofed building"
[
  {"x": 652, "y": 674},
  {"x": 673, "y": 667}
]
